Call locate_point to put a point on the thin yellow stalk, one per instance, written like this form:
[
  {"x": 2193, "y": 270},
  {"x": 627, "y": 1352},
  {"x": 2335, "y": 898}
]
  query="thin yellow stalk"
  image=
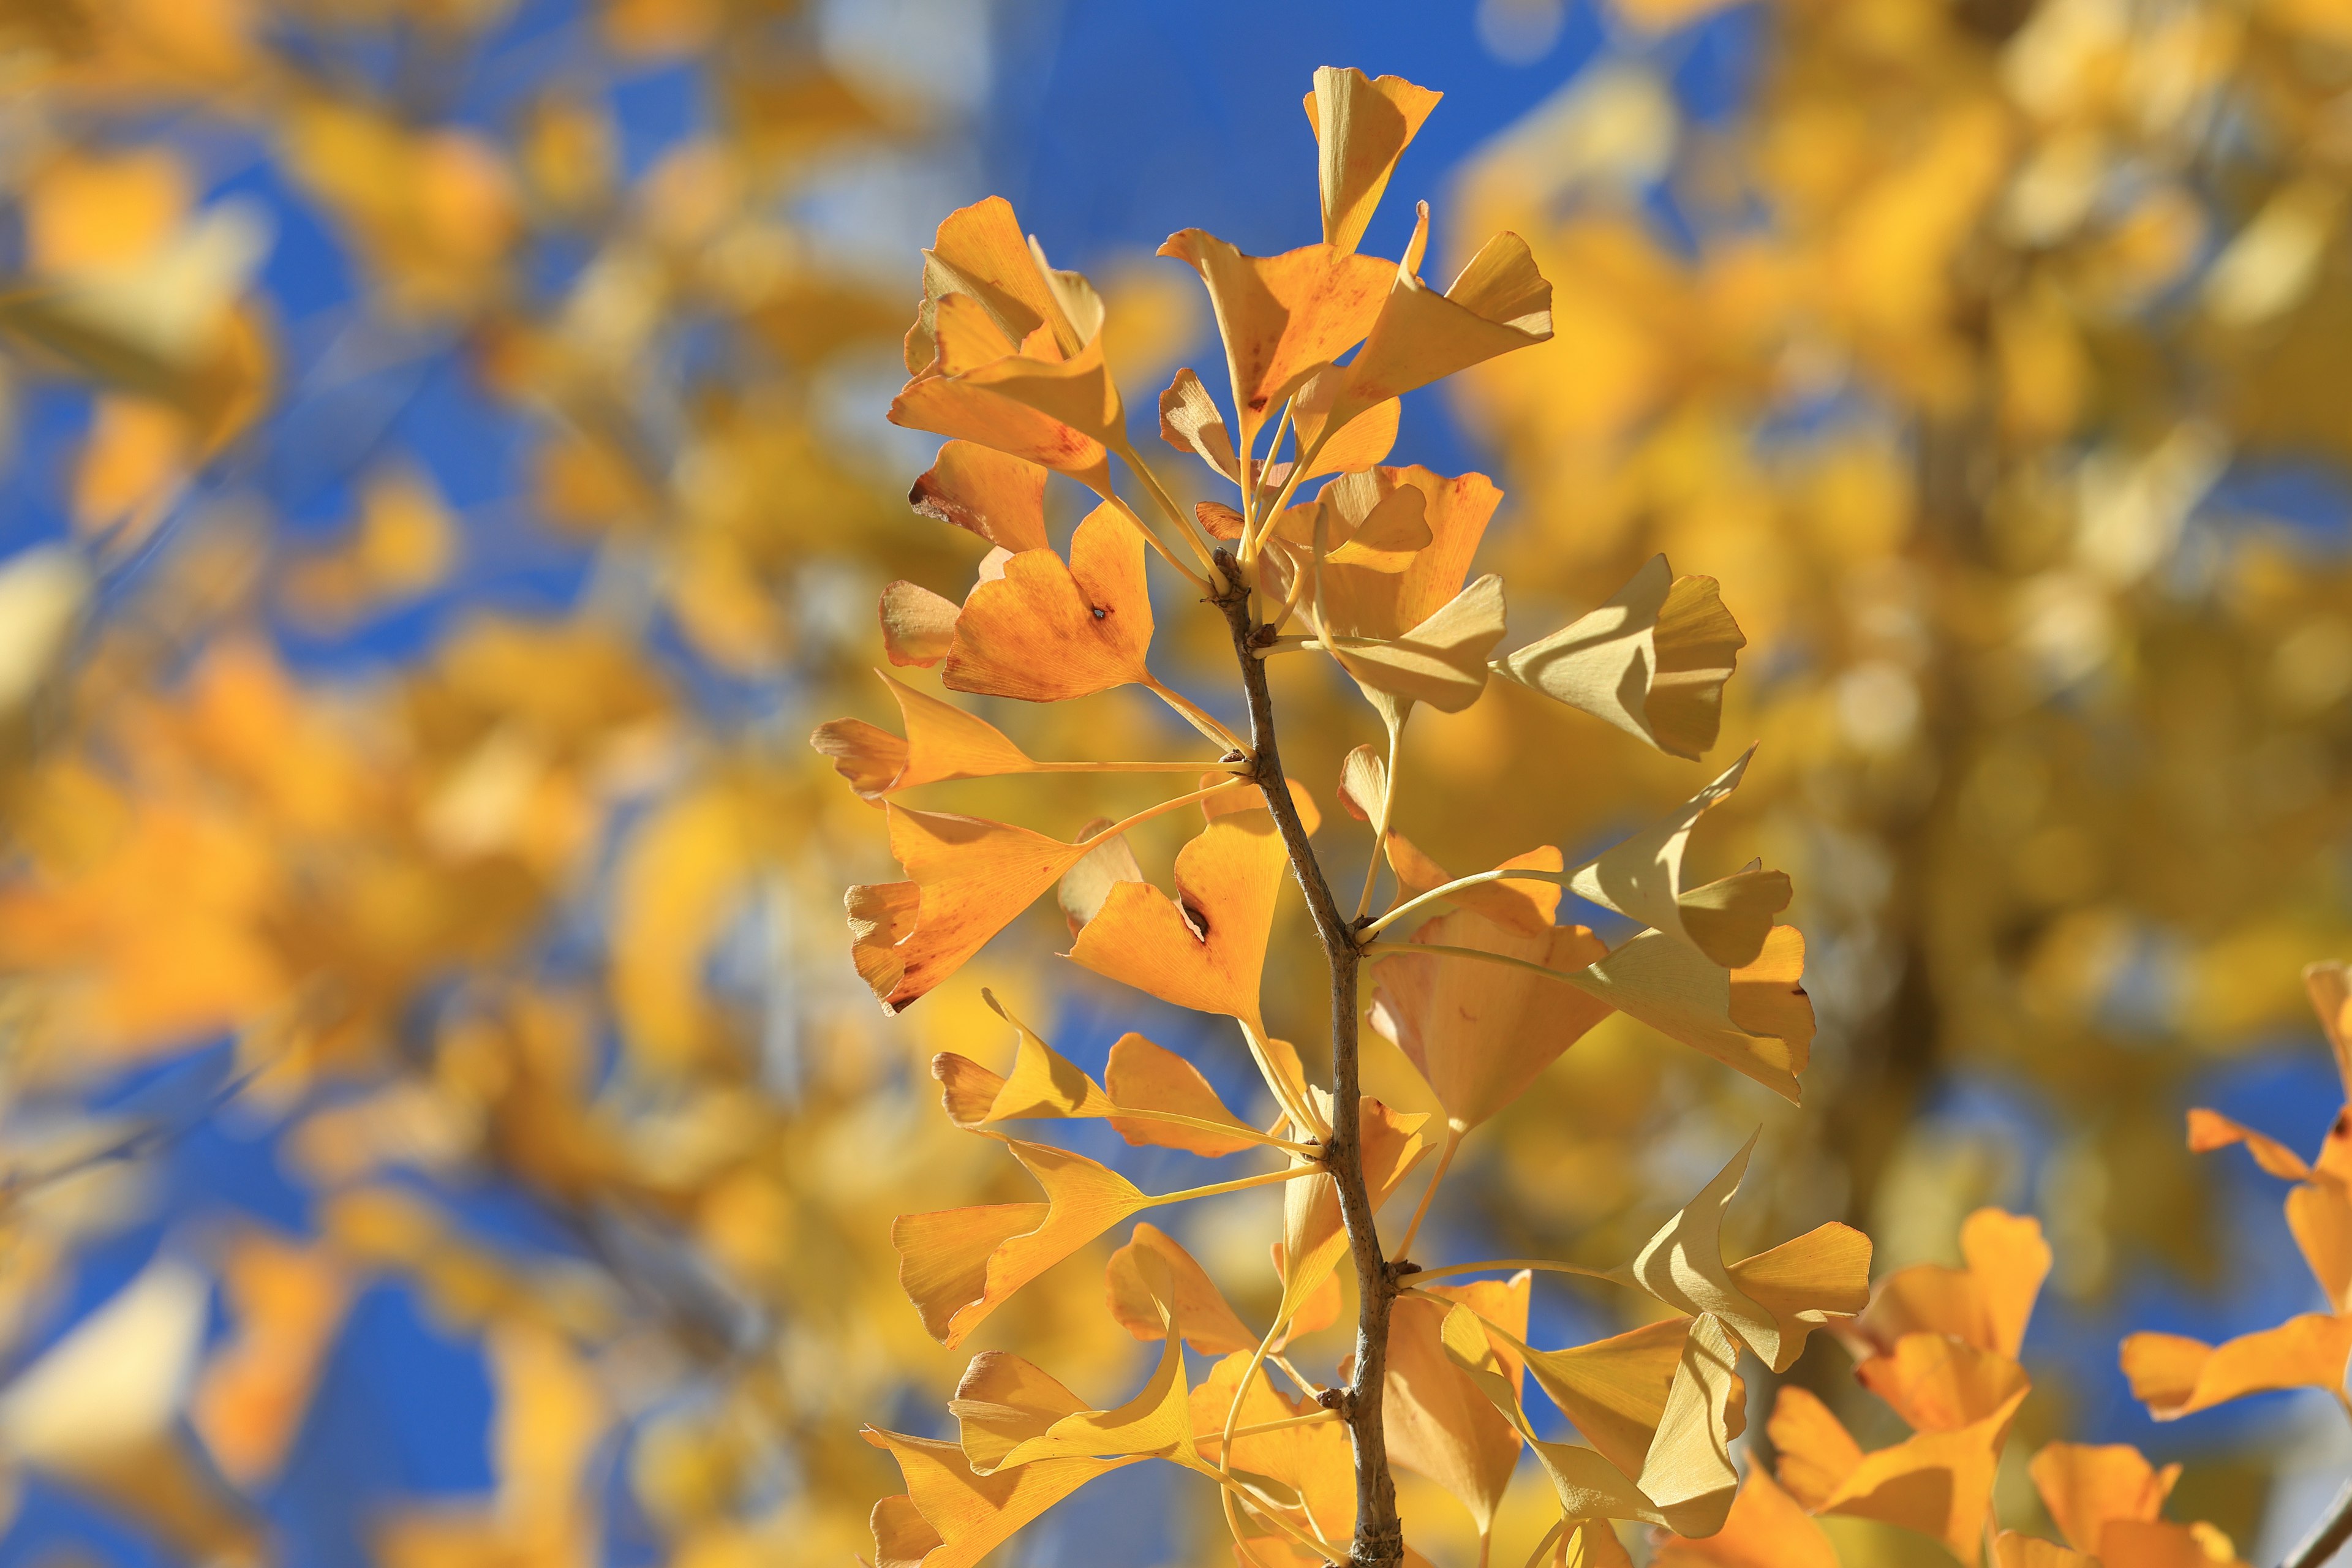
[
  {"x": 1187, "y": 527},
  {"x": 1152, "y": 537},
  {"x": 1138, "y": 768},
  {"x": 1310, "y": 1418},
  {"x": 1301, "y": 1113},
  {"x": 1445, "y": 894},
  {"x": 1165, "y": 806},
  {"x": 1444, "y": 1162},
  {"x": 1199, "y": 718},
  {"x": 1216, "y": 1189},
  {"x": 1441, "y": 950},
  {"x": 1221, "y": 1129},
  {"x": 1544, "y": 1546},
  {"x": 1395, "y": 727},
  {"x": 1504, "y": 1265}
]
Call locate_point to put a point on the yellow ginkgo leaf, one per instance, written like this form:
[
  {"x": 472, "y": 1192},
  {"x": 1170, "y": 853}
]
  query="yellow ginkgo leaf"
[
  {"x": 1168, "y": 1104},
  {"x": 1480, "y": 1033},
  {"x": 1085, "y": 885},
  {"x": 1003, "y": 1401},
  {"x": 1766, "y": 1528},
  {"x": 1157, "y": 1422},
  {"x": 2209, "y": 1129},
  {"x": 1282, "y": 317},
  {"x": 1773, "y": 1300},
  {"x": 2174, "y": 1376},
  {"x": 942, "y": 741},
  {"x": 969, "y": 879},
  {"x": 1937, "y": 1384},
  {"x": 949, "y": 1517},
  {"x": 1047, "y": 631},
  {"x": 1190, "y": 420},
  {"x": 1210, "y": 1325},
  {"x": 999, "y": 498},
  {"x": 1936, "y": 1483},
  {"x": 1206, "y": 947},
  {"x": 1986, "y": 1304},
  {"x": 2087, "y": 1487},
  {"x": 1439, "y": 1422},
  {"x": 980, "y": 253},
  {"x": 1524, "y": 905},
  {"x": 1043, "y": 1083},
  {"x": 1364, "y": 787},
  {"x": 1441, "y": 660},
  {"x": 2010, "y": 1550},
  {"x": 959, "y": 1265},
  {"x": 917, "y": 625},
  {"x": 1361, "y": 127},
  {"x": 1356, "y": 601},
  {"x": 1651, "y": 661},
  {"x": 1756, "y": 1020},
  {"x": 1499, "y": 302}
]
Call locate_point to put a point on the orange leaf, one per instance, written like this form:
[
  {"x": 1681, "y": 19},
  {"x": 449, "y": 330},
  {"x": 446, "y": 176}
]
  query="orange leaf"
[
  {"x": 1985, "y": 1305},
  {"x": 2175, "y": 1376},
  {"x": 1524, "y": 907},
  {"x": 999, "y": 498},
  {"x": 1937, "y": 1384},
  {"x": 1314, "y": 1234},
  {"x": 1142, "y": 1076},
  {"x": 2209, "y": 1129},
  {"x": 1439, "y": 1422},
  {"x": 1766, "y": 1529},
  {"x": 287, "y": 1301},
  {"x": 1047, "y": 631},
  {"x": 1498, "y": 303},
  {"x": 971, "y": 877},
  {"x": 1209, "y": 1324},
  {"x": 1479, "y": 1033},
  {"x": 959, "y": 1264},
  {"x": 1361, "y": 127},
  {"x": 951, "y": 1518},
  {"x": 917, "y": 625},
  {"x": 2087, "y": 1487},
  {"x": 1206, "y": 947},
  {"x": 942, "y": 741}
]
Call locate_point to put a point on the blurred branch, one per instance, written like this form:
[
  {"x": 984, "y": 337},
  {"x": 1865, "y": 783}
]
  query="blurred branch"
[{"x": 2334, "y": 1528}]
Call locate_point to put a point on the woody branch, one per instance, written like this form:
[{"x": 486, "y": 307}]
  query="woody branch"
[{"x": 1380, "y": 1535}]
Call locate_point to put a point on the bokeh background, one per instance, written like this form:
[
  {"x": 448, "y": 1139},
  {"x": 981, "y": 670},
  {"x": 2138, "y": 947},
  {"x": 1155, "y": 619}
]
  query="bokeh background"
[{"x": 445, "y": 480}]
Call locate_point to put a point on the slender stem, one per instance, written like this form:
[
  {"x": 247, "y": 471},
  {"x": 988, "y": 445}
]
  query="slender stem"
[
  {"x": 1440, "y": 949},
  {"x": 1165, "y": 806},
  {"x": 1310, "y": 1418},
  {"x": 1301, "y": 1114},
  {"x": 1445, "y": 894},
  {"x": 1545, "y": 1545},
  {"x": 1232, "y": 1416},
  {"x": 2334, "y": 1528},
  {"x": 1152, "y": 537},
  {"x": 1379, "y": 1536},
  {"x": 1265, "y": 1510},
  {"x": 1290, "y": 606},
  {"x": 1306, "y": 1385},
  {"x": 1498, "y": 1265},
  {"x": 1187, "y": 527},
  {"x": 1372, "y": 866},
  {"x": 1199, "y": 718},
  {"x": 1444, "y": 1161},
  {"x": 1256, "y": 538},
  {"x": 1223, "y": 1130},
  {"x": 1253, "y": 484},
  {"x": 1133, "y": 768},
  {"x": 1239, "y": 1184}
]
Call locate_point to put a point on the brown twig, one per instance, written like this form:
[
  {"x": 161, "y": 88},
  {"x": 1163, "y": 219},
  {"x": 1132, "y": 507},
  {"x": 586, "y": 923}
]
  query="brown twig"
[
  {"x": 2334, "y": 1528},
  {"x": 1380, "y": 1535}
]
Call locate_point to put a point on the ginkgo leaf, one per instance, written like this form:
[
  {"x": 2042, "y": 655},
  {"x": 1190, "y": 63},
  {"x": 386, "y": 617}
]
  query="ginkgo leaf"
[
  {"x": 1052, "y": 414},
  {"x": 2330, "y": 986},
  {"x": 1043, "y": 1083},
  {"x": 2209, "y": 1129},
  {"x": 1660, "y": 1405},
  {"x": 1937, "y": 1384},
  {"x": 980, "y": 253},
  {"x": 2175, "y": 1376},
  {"x": 1143, "y": 1077},
  {"x": 1361, "y": 127},
  {"x": 1086, "y": 884},
  {"x": 1314, "y": 1232},
  {"x": 959, "y": 1265},
  {"x": 1986, "y": 1304},
  {"x": 1642, "y": 879},
  {"x": 2010, "y": 1550},
  {"x": 2160, "y": 1544},
  {"x": 1047, "y": 631},
  {"x": 1766, "y": 1528},
  {"x": 971, "y": 877},
  {"x": 999, "y": 498},
  {"x": 1386, "y": 539},
  {"x": 1439, "y": 1422},
  {"x": 1651, "y": 661},
  {"x": 2087, "y": 1487},
  {"x": 1480, "y": 1033},
  {"x": 1282, "y": 317},
  {"x": 1936, "y": 1483},
  {"x": 1498, "y": 303},
  {"x": 942, "y": 741},
  {"x": 1364, "y": 785},
  {"x": 1210, "y": 1324},
  {"x": 1441, "y": 660},
  {"x": 1190, "y": 420},
  {"x": 2319, "y": 1212},
  {"x": 951, "y": 1518},
  {"x": 1206, "y": 947},
  {"x": 1756, "y": 1020},
  {"x": 1157, "y": 1422},
  {"x": 1003, "y": 1400},
  {"x": 1773, "y": 1300},
  {"x": 1310, "y": 1468},
  {"x": 1363, "y": 442},
  {"x": 917, "y": 625},
  {"x": 1524, "y": 905}
]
